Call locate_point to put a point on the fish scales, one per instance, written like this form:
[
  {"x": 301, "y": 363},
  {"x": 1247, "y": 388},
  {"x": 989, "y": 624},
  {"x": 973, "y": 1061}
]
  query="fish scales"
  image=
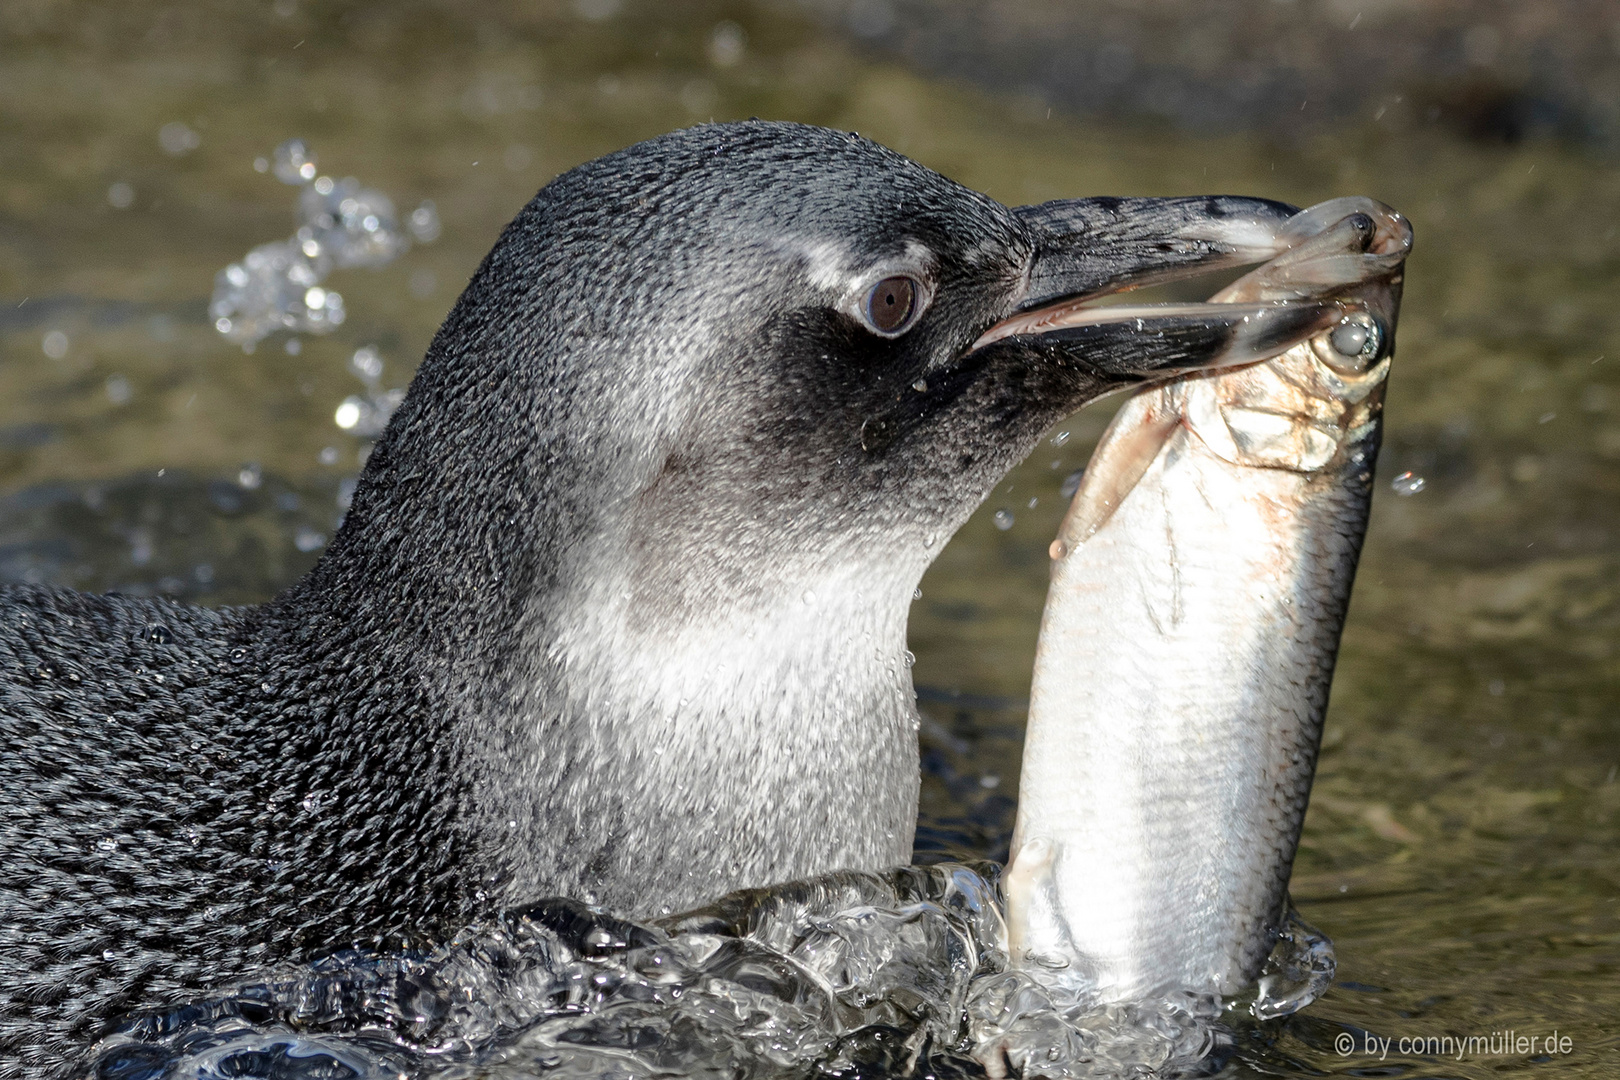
[{"x": 1199, "y": 586}]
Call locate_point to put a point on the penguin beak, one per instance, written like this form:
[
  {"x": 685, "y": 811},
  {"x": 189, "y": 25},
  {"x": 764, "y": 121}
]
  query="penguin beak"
[{"x": 1088, "y": 248}]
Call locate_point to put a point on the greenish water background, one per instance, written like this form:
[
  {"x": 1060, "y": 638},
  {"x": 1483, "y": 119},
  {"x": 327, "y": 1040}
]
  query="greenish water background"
[{"x": 1463, "y": 844}]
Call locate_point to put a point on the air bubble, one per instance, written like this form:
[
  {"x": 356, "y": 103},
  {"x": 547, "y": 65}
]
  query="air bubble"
[{"x": 1004, "y": 519}]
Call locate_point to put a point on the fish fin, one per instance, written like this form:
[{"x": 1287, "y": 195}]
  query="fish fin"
[{"x": 1133, "y": 439}]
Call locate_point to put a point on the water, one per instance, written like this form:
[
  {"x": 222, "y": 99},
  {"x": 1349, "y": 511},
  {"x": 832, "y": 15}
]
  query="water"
[
  {"x": 1460, "y": 848},
  {"x": 851, "y": 975}
]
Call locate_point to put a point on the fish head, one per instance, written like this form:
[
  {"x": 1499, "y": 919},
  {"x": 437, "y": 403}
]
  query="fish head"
[{"x": 1311, "y": 408}]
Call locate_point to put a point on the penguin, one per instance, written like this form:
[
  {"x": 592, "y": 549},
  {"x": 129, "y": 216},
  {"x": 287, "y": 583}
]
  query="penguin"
[{"x": 618, "y": 612}]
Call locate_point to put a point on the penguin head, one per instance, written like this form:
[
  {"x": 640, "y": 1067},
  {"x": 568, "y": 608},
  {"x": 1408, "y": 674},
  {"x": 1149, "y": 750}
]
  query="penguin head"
[{"x": 741, "y": 357}]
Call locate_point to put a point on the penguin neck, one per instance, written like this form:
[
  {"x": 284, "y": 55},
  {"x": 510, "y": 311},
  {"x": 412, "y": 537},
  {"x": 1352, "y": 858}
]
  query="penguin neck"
[
  {"x": 707, "y": 746},
  {"x": 647, "y": 731}
]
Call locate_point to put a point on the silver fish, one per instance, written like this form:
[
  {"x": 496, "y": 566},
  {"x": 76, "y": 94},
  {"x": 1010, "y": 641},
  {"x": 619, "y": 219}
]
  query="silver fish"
[{"x": 1199, "y": 586}]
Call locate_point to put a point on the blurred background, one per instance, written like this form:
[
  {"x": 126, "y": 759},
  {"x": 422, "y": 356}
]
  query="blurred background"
[{"x": 201, "y": 328}]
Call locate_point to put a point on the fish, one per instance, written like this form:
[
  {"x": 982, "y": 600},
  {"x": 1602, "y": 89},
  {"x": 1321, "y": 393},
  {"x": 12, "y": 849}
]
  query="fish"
[{"x": 1199, "y": 585}]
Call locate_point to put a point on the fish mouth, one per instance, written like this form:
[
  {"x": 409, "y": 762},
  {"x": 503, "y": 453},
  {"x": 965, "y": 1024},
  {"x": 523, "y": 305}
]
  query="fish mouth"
[{"x": 1088, "y": 249}]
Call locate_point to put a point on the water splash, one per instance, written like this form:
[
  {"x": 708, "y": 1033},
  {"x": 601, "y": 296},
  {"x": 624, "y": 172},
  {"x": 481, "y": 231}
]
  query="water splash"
[
  {"x": 852, "y": 974},
  {"x": 278, "y": 286}
]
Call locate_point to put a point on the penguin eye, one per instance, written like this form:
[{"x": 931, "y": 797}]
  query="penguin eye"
[{"x": 890, "y": 304}]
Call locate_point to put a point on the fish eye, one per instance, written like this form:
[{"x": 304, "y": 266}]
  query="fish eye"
[
  {"x": 1355, "y": 342},
  {"x": 890, "y": 304}
]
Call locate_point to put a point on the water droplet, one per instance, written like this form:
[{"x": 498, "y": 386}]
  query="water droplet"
[
  {"x": 727, "y": 42},
  {"x": 311, "y": 802},
  {"x": 1004, "y": 519},
  {"x": 178, "y": 139},
  {"x": 249, "y": 476},
  {"x": 108, "y": 954},
  {"x": 600, "y": 938},
  {"x": 921, "y": 386},
  {"x": 55, "y": 344},
  {"x": 238, "y": 655},
  {"x": 989, "y": 781},
  {"x": 293, "y": 162},
  {"x": 120, "y": 196},
  {"x": 119, "y": 390},
  {"x": 424, "y": 222},
  {"x": 910, "y": 658},
  {"x": 1071, "y": 483},
  {"x": 809, "y": 596},
  {"x": 307, "y": 539},
  {"x": 158, "y": 634},
  {"x": 916, "y": 594},
  {"x": 1058, "y": 550},
  {"x": 367, "y": 363},
  {"x": 1033, "y": 501},
  {"x": 1060, "y": 438},
  {"x": 1408, "y": 483}
]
